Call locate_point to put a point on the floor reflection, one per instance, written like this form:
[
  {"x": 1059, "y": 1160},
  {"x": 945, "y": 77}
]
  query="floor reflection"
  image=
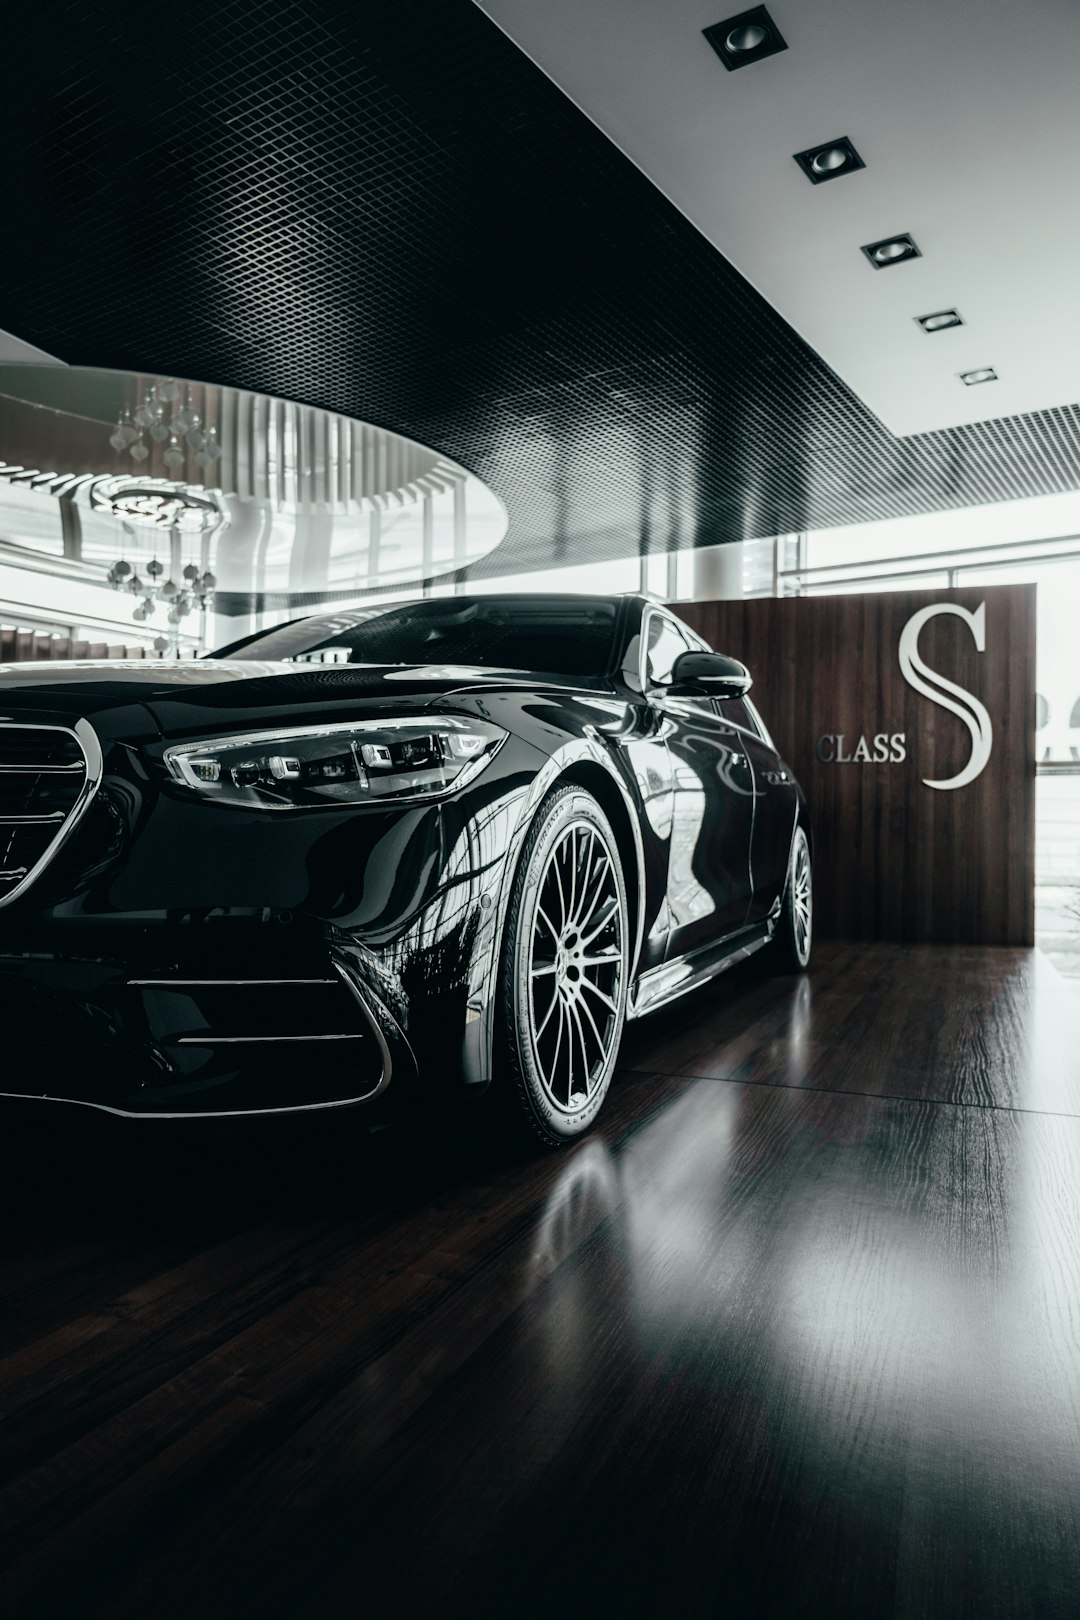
[
  {"x": 854, "y": 1320},
  {"x": 757, "y": 1346}
]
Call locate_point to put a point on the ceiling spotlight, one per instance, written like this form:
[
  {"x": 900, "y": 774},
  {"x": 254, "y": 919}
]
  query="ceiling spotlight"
[
  {"x": 748, "y": 37},
  {"x": 984, "y": 374},
  {"x": 837, "y": 157},
  {"x": 891, "y": 250},
  {"x": 940, "y": 321}
]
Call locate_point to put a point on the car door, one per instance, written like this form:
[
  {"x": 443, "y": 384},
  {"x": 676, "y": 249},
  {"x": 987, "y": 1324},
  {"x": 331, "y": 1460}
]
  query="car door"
[
  {"x": 708, "y": 882},
  {"x": 776, "y": 803}
]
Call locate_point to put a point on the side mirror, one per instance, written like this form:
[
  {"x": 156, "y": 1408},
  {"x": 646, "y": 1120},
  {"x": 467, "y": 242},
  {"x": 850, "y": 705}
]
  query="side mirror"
[{"x": 709, "y": 674}]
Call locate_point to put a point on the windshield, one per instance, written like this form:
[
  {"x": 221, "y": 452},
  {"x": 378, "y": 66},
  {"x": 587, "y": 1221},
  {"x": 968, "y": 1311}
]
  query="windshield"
[{"x": 553, "y": 635}]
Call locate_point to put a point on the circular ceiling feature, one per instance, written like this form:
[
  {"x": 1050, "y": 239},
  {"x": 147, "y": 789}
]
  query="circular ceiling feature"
[{"x": 287, "y": 506}]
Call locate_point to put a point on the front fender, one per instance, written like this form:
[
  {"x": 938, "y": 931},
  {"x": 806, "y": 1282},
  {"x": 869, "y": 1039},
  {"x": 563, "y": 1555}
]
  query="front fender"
[{"x": 569, "y": 762}]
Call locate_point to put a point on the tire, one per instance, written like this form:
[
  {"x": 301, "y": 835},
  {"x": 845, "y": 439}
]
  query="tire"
[
  {"x": 794, "y": 937},
  {"x": 564, "y": 970}
]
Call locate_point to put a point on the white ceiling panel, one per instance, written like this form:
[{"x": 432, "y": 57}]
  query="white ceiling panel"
[{"x": 967, "y": 115}]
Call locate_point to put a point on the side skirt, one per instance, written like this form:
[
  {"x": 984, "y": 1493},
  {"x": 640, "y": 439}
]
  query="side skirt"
[{"x": 673, "y": 979}]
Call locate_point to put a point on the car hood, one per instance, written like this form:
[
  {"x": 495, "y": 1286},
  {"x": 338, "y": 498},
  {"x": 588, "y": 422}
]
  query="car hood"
[{"x": 186, "y": 696}]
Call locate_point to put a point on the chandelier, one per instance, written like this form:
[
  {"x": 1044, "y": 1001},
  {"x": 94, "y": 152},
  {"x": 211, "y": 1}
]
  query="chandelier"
[
  {"x": 197, "y": 589},
  {"x": 180, "y": 431},
  {"x": 153, "y": 504}
]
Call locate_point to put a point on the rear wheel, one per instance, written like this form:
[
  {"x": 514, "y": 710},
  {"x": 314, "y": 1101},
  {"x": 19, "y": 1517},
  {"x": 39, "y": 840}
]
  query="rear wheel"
[
  {"x": 790, "y": 950},
  {"x": 562, "y": 995}
]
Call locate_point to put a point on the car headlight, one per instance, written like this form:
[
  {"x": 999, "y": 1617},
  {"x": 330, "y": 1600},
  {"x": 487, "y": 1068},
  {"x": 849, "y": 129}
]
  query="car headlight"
[{"x": 363, "y": 762}]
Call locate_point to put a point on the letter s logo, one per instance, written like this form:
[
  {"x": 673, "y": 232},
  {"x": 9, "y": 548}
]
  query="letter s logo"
[{"x": 961, "y": 703}]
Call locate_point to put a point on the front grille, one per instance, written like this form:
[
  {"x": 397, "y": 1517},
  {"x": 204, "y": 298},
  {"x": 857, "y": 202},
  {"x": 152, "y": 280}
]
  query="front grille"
[{"x": 47, "y": 775}]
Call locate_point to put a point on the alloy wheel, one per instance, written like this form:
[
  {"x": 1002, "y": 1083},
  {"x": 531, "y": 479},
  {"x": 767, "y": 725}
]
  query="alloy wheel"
[
  {"x": 577, "y": 963},
  {"x": 802, "y": 900}
]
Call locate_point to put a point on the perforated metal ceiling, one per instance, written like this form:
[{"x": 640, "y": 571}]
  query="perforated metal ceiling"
[{"x": 385, "y": 209}]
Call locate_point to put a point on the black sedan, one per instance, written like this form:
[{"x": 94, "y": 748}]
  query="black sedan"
[{"x": 384, "y": 856}]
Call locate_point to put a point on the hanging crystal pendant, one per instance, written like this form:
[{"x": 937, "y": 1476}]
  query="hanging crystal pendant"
[
  {"x": 126, "y": 431},
  {"x": 168, "y": 390},
  {"x": 151, "y": 410},
  {"x": 154, "y": 568},
  {"x": 174, "y": 455},
  {"x": 117, "y": 440},
  {"x": 189, "y": 416},
  {"x": 213, "y": 449},
  {"x": 196, "y": 438},
  {"x": 159, "y": 432},
  {"x": 138, "y": 451}
]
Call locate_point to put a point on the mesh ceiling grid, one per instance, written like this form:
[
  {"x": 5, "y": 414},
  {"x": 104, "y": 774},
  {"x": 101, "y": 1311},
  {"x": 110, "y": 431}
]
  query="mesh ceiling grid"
[{"x": 387, "y": 210}]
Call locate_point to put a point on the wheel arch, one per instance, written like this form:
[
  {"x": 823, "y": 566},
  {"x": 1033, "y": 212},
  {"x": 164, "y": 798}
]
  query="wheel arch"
[
  {"x": 610, "y": 797},
  {"x": 601, "y": 781},
  {"x": 802, "y": 819}
]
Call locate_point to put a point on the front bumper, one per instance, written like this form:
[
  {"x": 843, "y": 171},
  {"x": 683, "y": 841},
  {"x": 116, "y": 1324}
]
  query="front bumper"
[
  {"x": 174, "y": 1027},
  {"x": 179, "y": 960}
]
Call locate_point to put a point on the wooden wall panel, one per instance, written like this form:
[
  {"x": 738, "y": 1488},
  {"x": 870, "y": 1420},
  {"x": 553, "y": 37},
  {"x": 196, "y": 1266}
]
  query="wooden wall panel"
[{"x": 895, "y": 859}]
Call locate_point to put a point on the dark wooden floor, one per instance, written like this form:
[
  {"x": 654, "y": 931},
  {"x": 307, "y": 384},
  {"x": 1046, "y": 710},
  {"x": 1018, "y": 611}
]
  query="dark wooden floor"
[{"x": 796, "y": 1331}]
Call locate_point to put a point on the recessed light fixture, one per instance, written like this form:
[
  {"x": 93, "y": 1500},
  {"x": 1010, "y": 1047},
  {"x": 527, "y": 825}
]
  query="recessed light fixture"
[
  {"x": 983, "y": 374},
  {"x": 891, "y": 250},
  {"x": 826, "y": 162},
  {"x": 748, "y": 37},
  {"x": 940, "y": 321}
]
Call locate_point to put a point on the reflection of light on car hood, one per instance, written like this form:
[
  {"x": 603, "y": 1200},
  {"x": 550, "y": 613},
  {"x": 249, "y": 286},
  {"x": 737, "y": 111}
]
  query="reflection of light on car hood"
[
  {"x": 213, "y": 671},
  {"x": 150, "y": 671}
]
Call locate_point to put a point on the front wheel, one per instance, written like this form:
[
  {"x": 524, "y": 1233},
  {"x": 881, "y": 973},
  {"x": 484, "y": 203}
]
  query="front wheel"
[
  {"x": 563, "y": 981},
  {"x": 790, "y": 949}
]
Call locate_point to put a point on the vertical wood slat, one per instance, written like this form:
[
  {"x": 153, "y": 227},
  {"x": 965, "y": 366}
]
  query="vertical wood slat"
[{"x": 895, "y": 859}]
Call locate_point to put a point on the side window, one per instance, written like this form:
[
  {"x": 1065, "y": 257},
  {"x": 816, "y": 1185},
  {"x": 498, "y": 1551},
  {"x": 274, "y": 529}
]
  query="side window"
[
  {"x": 666, "y": 643},
  {"x": 668, "y": 639}
]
